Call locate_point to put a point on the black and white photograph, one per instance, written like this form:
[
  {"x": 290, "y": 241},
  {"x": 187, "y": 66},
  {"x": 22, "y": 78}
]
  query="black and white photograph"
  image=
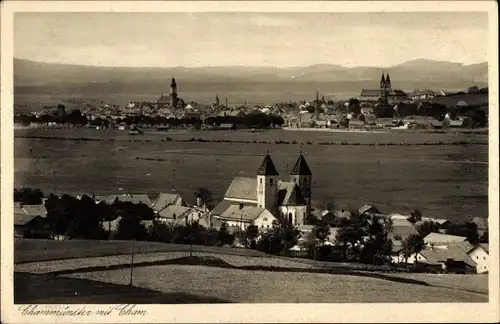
[{"x": 249, "y": 156}]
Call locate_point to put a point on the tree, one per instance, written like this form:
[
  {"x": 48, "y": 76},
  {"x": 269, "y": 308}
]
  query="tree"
[
  {"x": 130, "y": 228},
  {"x": 413, "y": 244},
  {"x": 224, "y": 237},
  {"x": 60, "y": 213},
  {"x": 160, "y": 232},
  {"x": 205, "y": 196},
  {"x": 354, "y": 106},
  {"x": 86, "y": 222},
  {"x": 427, "y": 227},
  {"x": 320, "y": 232},
  {"x": 249, "y": 235},
  {"x": 28, "y": 196},
  {"x": 416, "y": 216},
  {"x": 328, "y": 204}
]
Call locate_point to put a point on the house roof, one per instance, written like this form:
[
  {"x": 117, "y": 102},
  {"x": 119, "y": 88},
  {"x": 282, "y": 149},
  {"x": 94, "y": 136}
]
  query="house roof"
[
  {"x": 402, "y": 228},
  {"x": 454, "y": 252},
  {"x": 163, "y": 99},
  {"x": 443, "y": 238},
  {"x": 35, "y": 210},
  {"x": 439, "y": 221},
  {"x": 170, "y": 211},
  {"x": 289, "y": 194},
  {"x": 301, "y": 167},
  {"x": 486, "y": 247},
  {"x": 107, "y": 199},
  {"x": 370, "y": 93},
  {"x": 242, "y": 188},
  {"x": 23, "y": 219},
  {"x": 267, "y": 167},
  {"x": 135, "y": 199},
  {"x": 367, "y": 208},
  {"x": 164, "y": 200},
  {"x": 397, "y": 92},
  {"x": 247, "y": 213}
]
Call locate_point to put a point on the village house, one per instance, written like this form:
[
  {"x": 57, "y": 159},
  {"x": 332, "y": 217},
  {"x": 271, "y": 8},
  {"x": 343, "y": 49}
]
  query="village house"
[
  {"x": 29, "y": 220},
  {"x": 273, "y": 199},
  {"x": 165, "y": 199},
  {"x": 177, "y": 214},
  {"x": 480, "y": 255}
]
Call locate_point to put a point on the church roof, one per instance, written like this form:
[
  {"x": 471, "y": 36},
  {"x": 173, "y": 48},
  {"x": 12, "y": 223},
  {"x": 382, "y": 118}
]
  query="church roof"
[
  {"x": 289, "y": 194},
  {"x": 242, "y": 188},
  {"x": 163, "y": 99},
  {"x": 301, "y": 167},
  {"x": 370, "y": 92},
  {"x": 267, "y": 167}
]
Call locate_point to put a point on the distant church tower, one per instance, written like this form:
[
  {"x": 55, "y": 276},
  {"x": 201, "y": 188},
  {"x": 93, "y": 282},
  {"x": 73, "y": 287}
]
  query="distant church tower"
[
  {"x": 173, "y": 94},
  {"x": 385, "y": 87},
  {"x": 267, "y": 184},
  {"x": 217, "y": 100},
  {"x": 301, "y": 175}
]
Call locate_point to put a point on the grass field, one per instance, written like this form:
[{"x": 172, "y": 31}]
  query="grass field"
[
  {"x": 244, "y": 286},
  {"x": 217, "y": 276},
  {"x": 34, "y": 250},
  {"x": 446, "y": 181}
]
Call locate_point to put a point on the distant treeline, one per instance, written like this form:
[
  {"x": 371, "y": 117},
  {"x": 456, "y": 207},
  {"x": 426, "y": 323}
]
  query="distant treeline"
[{"x": 76, "y": 118}]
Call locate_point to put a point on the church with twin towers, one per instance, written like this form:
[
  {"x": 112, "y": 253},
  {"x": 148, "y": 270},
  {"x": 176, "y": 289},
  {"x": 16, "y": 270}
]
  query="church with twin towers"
[{"x": 264, "y": 198}]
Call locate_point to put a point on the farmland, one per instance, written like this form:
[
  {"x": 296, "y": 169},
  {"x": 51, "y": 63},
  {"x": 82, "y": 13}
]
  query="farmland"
[
  {"x": 174, "y": 277},
  {"x": 445, "y": 181}
]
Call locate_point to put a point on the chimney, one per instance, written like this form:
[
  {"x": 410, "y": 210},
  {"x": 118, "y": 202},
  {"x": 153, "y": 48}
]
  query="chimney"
[{"x": 198, "y": 201}]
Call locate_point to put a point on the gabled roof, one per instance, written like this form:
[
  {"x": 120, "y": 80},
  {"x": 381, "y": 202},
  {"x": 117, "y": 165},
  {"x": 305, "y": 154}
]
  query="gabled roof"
[
  {"x": 107, "y": 199},
  {"x": 178, "y": 211},
  {"x": 289, "y": 194},
  {"x": 164, "y": 200},
  {"x": 242, "y": 188},
  {"x": 22, "y": 220},
  {"x": 434, "y": 238},
  {"x": 440, "y": 255},
  {"x": 35, "y": 210},
  {"x": 301, "y": 167},
  {"x": 267, "y": 167},
  {"x": 247, "y": 213}
]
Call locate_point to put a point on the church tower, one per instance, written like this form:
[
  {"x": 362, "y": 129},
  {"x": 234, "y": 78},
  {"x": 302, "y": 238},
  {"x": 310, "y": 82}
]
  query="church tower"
[
  {"x": 388, "y": 83},
  {"x": 173, "y": 94},
  {"x": 267, "y": 185},
  {"x": 382, "y": 86},
  {"x": 301, "y": 175}
]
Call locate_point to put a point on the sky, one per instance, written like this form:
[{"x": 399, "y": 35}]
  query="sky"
[{"x": 250, "y": 39}]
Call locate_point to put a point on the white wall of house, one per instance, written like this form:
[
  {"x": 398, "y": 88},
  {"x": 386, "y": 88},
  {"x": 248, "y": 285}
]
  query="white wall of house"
[
  {"x": 481, "y": 258},
  {"x": 264, "y": 220}
]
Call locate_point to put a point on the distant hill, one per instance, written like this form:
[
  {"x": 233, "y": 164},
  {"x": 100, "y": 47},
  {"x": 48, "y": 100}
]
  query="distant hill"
[
  {"x": 255, "y": 84},
  {"x": 36, "y": 73}
]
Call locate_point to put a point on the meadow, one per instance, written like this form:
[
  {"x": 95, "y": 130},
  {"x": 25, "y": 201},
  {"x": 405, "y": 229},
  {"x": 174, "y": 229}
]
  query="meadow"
[
  {"x": 444, "y": 175},
  {"x": 176, "y": 277}
]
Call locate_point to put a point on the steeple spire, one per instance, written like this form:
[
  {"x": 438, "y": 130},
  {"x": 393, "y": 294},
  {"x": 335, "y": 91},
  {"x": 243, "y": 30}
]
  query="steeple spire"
[
  {"x": 301, "y": 167},
  {"x": 382, "y": 80},
  {"x": 267, "y": 167}
]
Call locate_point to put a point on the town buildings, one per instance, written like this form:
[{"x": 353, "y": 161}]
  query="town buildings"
[{"x": 385, "y": 94}]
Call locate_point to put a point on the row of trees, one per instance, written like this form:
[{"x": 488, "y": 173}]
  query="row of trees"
[{"x": 255, "y": 120}]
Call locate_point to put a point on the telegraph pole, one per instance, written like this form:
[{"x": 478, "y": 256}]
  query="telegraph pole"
[{"x": 132, "y": 262}]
